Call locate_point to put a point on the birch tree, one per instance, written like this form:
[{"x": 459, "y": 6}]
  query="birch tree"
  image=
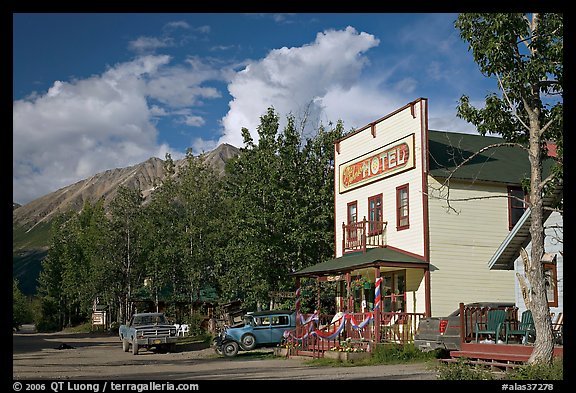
[{"x": 524, "y": 54}]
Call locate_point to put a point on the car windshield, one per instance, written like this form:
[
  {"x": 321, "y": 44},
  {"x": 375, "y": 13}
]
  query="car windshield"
[{"x": 149, "y": 319}]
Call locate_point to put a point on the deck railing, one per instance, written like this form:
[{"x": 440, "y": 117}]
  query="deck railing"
[
  {"x": 358, "y": 236},
  {"x": 470, "y": 315},
  {"x": 395, "y": 327}
]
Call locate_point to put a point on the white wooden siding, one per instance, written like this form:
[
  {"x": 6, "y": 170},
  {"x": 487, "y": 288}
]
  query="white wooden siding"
[
  {"x": 554, "y": 244},
  {"x": 389, "y": 130},
  {"x": 461, "y": 244},
  {"x": 415, "y": 293}
]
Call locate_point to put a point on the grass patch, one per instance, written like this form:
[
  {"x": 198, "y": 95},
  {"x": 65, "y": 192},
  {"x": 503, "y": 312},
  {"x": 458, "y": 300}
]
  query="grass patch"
[
  {"x": 461, "y": 370},
  {"x": 538, "y": 372},
  {"x": 35, "y": 238},
  {"x": 388, "y": 353},
  {"x": 82, "y": 328}
]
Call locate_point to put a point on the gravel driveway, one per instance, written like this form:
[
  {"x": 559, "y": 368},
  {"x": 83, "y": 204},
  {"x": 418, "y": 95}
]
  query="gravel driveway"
[{"x": 99, "y": 356}]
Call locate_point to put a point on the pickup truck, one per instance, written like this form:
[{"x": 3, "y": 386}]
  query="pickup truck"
[
  {"x": 148, "y": 330},
  {"x": 443, "y": 333}
]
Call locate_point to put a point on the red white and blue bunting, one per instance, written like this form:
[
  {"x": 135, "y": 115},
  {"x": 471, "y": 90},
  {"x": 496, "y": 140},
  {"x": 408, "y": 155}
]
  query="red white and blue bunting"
[{"x": 330, "y": 334}]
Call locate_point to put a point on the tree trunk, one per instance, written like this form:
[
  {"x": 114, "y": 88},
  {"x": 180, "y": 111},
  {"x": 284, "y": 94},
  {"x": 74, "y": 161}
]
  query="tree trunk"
[{"x": 537, "y": 301}]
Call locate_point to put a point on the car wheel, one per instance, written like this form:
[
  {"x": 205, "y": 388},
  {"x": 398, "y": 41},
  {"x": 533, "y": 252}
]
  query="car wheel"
[
  {"x": 125, "y": 345},
  {"x": 230, "y": 349},
  {"x": 248, "y": 342},
  {"x": 134, "y": 348},
  {"x": 217, "y": 348}
]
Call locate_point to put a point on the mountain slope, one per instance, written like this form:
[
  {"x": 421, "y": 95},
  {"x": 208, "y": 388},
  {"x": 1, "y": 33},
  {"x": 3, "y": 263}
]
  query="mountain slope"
[
  {"x": 31, "y": 222},
  {"x": 144, "y": 176}
]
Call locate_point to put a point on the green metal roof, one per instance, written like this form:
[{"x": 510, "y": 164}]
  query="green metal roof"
[
  {"x": 502, "y": 164},
  {"x": 356, "y": 260}
]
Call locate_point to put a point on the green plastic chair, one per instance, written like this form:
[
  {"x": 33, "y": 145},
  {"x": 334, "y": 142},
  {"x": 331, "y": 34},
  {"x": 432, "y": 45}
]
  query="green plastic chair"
[
  {"x": 525, "y": 327},
  {"x": 494, "y": 325}
]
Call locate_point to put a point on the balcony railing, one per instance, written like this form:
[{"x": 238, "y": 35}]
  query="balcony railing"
[{"x": 358, "y": 236}]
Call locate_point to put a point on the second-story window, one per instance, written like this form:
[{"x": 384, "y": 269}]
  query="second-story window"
[
  {"x": 352, "y": 212},
  {"x": 352, "y": 218},
  {"x": 402, "y": 208},
  {"x": 516, "y": 205},
  {"x": 375, "y": 214}
]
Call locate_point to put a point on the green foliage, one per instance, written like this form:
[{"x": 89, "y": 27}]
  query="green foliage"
[
  {"x": 21, "y": 309},
  {"x": 524, "y": 54},
  {"x": 241, "y": 234},
  {"x": 48, "y": 318},
  {"x": 388, "y": 353},
  {"x": 195, "y": 323},
  {"x": 538, "y": 371},
  {"x": 280, "y": 191},
  {"x": 461, "y": 370},
  {"x": 396, "y": 353},
  {"x": 30, "y": 238}
]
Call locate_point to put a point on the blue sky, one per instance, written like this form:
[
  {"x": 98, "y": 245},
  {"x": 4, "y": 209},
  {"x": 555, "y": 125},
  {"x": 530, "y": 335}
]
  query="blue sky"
[{"x": 95, "y": 91}]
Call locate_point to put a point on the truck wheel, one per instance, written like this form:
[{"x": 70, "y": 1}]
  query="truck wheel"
[
  {"x": 172, "y": 347},
  {"x": 230, "y": 349},
  {"x": 134, "y": 348},
  {"x": 248, "y": 342},
  {"x": 125, "y": 345}
]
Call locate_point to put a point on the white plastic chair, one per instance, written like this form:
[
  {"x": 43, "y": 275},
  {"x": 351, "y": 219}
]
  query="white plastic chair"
[{"x": 184, "y": 329}]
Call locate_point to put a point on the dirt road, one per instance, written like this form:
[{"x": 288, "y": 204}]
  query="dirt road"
[{"x": 97, "y": 356}]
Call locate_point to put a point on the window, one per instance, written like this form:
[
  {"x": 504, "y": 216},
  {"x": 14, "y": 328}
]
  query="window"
[
  {"x": 375, "y": 214},
  {"x": 393, "y": 291},
  {"x": 279, "y": 320},
  {"x": 402, "y": 208},
  {"x": 352, "y": 212},
  {"x": 550, "y": 281},
  {"x": 516, "y": 205},
  {"x": 352, "y": 233}
]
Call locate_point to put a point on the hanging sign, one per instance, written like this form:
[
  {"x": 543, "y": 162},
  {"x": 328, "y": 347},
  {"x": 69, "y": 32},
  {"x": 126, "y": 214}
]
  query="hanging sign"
[{"x": 383, "y": 162}]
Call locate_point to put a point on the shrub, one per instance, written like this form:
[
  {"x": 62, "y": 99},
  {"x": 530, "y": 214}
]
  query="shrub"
[
  {"x": 537, "y": 372},
  {"x": 460, "y": 370},
  {"x": 397, "y": 353}
]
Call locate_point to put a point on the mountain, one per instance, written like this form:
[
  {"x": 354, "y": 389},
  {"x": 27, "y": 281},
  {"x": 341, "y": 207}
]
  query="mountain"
[
  {"x": 146, "y": 176},
  {"x": 31, "y": 222}
]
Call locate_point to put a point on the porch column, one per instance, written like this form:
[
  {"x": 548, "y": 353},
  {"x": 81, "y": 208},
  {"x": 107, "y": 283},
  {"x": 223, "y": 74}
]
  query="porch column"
[
  {"x": 349, "y": 296},
  {"x": 297, "y": 298},
  {"x": 318, "y": 295},
  {"x": 377, "y": 304}
]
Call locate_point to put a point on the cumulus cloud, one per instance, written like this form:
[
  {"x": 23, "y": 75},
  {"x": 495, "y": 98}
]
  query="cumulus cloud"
[
  {"x": 295, "y": 79},
  {"x": 82, "y": 127}
]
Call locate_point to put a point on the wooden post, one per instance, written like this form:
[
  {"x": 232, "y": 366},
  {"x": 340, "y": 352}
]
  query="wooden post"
[
  {"x": 377, "y": 304},
  {"x": 318, "y": 295},
  {"x": 364, "y": 227},
  {"x": 297, "y": 299},
  {"x": 462, "y": 327},
  {"x": 350, "y": 300},
  {"x": 343, "y": 238}
]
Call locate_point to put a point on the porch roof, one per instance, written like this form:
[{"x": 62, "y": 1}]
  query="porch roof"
[
  {"x": 380, "y": 256},
  {"x": 519, "y": 236}
]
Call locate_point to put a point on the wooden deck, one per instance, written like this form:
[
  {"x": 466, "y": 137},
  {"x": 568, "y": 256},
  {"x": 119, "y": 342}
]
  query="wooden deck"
[{"x": 513, "y": 353}]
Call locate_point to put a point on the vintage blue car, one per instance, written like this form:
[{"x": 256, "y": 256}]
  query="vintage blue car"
[{"x": 259, "y": 329}]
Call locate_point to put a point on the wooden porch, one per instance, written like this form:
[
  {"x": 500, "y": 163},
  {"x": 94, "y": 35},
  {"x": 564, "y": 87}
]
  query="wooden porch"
[
  {"x": 352, "y": 332},
  {"x": 503, "y": 354},
  {"x": 494, "y": 351}
]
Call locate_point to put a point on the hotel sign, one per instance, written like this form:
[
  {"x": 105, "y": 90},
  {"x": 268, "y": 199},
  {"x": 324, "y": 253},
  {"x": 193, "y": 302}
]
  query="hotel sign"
[{"x": 386, "y": 161}]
